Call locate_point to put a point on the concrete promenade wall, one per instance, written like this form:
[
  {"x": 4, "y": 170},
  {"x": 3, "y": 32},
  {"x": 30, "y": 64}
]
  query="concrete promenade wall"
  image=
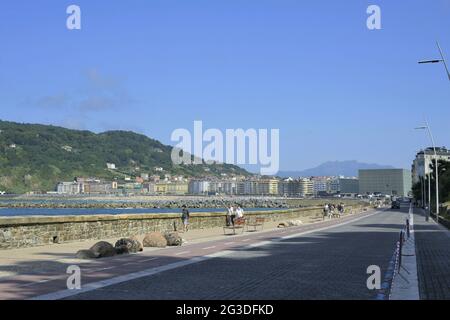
[{"x": 18, "y": 232}]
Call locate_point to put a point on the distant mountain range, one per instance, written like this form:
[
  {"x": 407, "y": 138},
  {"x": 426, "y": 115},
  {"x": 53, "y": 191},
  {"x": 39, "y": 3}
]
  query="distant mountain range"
[
  {"x": 334, "y": 168},
  {"x": 35, "y": 157}
]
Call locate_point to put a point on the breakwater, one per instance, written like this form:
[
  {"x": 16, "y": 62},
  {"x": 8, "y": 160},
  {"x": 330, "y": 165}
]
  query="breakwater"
[{"x": 108, "y": 203}]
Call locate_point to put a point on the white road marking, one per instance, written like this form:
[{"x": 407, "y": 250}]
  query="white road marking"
[
  {"x": 207, "y": 248},
  {"x": 149, "y": 272},
  {"x": 35, "y": 282},
  {"x": 101, "y": 269},
  {"x": 180, "y": 253},
  {"x": 147, "y": 260},
  {"x": 228, "y": 243}
]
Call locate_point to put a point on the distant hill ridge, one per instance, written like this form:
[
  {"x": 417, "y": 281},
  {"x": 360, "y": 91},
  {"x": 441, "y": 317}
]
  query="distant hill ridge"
[
  {"x": 34, "y": 157},
  {"x": 334, "y": 168}
]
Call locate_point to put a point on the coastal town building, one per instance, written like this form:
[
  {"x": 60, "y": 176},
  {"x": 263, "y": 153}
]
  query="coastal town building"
[
  {"x": 209, "y": 185},
  {"x": 86, "y": 186},
  {"x": 199, "y": 187},
  {"x": 348, "y": 185},
  {"x": 289, "y": 188},
  {"x": 306, "y": 187},
  {"x": 424, "y": 158},
  {"x": 396, "y": 182},
  {"x": 69, "y": 188},
  {"x": 111, "y": 166},
  {"x": 320, "y": 185}
]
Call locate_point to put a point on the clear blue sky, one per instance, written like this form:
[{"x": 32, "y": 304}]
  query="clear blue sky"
[{"x": 336, "y": 90}]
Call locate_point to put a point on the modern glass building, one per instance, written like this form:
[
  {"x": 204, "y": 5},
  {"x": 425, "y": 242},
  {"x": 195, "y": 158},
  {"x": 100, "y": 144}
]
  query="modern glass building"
[{"x": 396, "y": 182}]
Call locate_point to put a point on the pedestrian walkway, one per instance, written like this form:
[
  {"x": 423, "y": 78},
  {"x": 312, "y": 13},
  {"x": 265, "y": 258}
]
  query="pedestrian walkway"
[
  {"x": 433, "y": 258},
  {"x": 55, "y": 257},
  {"x": 405, "y": 285},
  {"x": 49, "y": 276}
]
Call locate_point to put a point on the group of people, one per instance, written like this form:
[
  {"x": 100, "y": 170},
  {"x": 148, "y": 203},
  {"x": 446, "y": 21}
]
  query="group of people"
[
  {"x": 234, "y": 213},
  {"x": 329, "y": 209}
]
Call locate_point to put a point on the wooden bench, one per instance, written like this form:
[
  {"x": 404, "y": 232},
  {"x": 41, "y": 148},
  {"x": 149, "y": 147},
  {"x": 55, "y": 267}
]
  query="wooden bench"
[
  {"x": 335, "y": 214},
  {"x": 255, "y": 223},
  {"x": 238, "y": 224}
]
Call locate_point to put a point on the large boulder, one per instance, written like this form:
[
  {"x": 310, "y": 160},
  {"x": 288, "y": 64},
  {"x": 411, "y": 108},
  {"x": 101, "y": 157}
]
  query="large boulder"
[
  {"x": 173, "y": 239},
  {"x": 127, "y": 245},
  {"x": 85, "y": 254},
  {"x": 103, "y": 249},
  {"x": 283, "y": 224},
  {"x": 155, "y": 239},
  {"x": 295, "y": 223}
]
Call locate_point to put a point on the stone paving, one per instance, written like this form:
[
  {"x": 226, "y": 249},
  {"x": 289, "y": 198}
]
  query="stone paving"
[
  {"x": 433, "y": 258},
  {"x": 51, "y": 284},
  {"x": 328, "y": 264},
  {"x": 56, "y": 257}
]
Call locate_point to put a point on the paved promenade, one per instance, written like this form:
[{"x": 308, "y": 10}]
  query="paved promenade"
[
  {"x": 41, "y": 279},
  {"x": 433, "y": 258},
  {"x": 319, "y": 260},
  {"x": 326, "y": 263}
]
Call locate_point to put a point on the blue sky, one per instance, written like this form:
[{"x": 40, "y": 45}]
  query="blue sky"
[{"x": 336, "y": 90}]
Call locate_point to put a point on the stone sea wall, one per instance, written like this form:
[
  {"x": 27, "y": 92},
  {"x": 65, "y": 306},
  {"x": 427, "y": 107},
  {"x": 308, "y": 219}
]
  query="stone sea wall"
[{"x": 19, "y": 232}]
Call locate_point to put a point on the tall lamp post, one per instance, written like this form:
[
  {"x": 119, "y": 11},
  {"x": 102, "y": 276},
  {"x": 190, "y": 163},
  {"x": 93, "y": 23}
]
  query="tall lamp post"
[
  {"x": 427, "y": 127},
  {"x": 442, "y": 59},
  {"x": 429, "y": 194}
]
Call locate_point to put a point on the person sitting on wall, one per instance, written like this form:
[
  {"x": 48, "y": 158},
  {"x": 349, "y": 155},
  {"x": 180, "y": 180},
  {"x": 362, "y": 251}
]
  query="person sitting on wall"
[{"x": 239, "y": 212}]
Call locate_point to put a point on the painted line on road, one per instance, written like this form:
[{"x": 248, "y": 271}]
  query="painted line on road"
[
  {"x": 147, "y": 260},
  {"x": 101, "y": 269},
  {"x": 132, "y": 276},
  {"x": 207, "y": 248},
  {"x": 180, "y": 253},
  {"x": 34, "y": 283},
  {"x": 149, "y": 272}
]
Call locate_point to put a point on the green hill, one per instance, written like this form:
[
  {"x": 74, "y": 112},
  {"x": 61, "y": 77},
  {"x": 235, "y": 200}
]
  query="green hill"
[{"x": 35, "y": 157}]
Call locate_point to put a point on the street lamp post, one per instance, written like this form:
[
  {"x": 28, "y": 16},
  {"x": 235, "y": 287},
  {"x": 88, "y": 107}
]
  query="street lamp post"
[
  {"x": 427, "y": 127},
  {"x": 442, "y": 59},
  {"x": 429, "y": 195}
]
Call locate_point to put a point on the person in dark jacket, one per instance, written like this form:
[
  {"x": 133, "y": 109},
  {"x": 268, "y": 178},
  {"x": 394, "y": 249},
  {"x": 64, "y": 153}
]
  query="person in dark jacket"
[{"x": 185, "y": 218}]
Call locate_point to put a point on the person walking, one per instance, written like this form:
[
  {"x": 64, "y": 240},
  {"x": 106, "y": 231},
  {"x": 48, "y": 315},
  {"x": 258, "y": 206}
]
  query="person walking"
[
  {"x": 326, "y": 209},
  {"x": 230, "y": 215},
  {"x": 185, "y": 218}
]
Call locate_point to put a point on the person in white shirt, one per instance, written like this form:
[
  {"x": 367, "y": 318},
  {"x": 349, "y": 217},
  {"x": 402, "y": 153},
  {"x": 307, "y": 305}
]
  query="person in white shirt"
[
  {"x": 239, "y": 212},
  {"x": 230, "y": 215}
]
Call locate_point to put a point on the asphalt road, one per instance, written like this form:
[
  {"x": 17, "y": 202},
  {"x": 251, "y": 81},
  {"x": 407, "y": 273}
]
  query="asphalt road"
[{"x": 323, "y": 264}]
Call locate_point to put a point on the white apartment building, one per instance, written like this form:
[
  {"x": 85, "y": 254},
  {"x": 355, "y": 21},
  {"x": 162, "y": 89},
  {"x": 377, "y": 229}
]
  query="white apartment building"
[
  {"x": 320, "y": 184},
  {"x": 198, "y": 187},
  {"x": 69, "y": 187},
  {"x": 423, "y": 160}
]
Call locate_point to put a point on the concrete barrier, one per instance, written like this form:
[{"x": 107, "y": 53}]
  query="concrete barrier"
[{"x": 18, "y": 232}]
